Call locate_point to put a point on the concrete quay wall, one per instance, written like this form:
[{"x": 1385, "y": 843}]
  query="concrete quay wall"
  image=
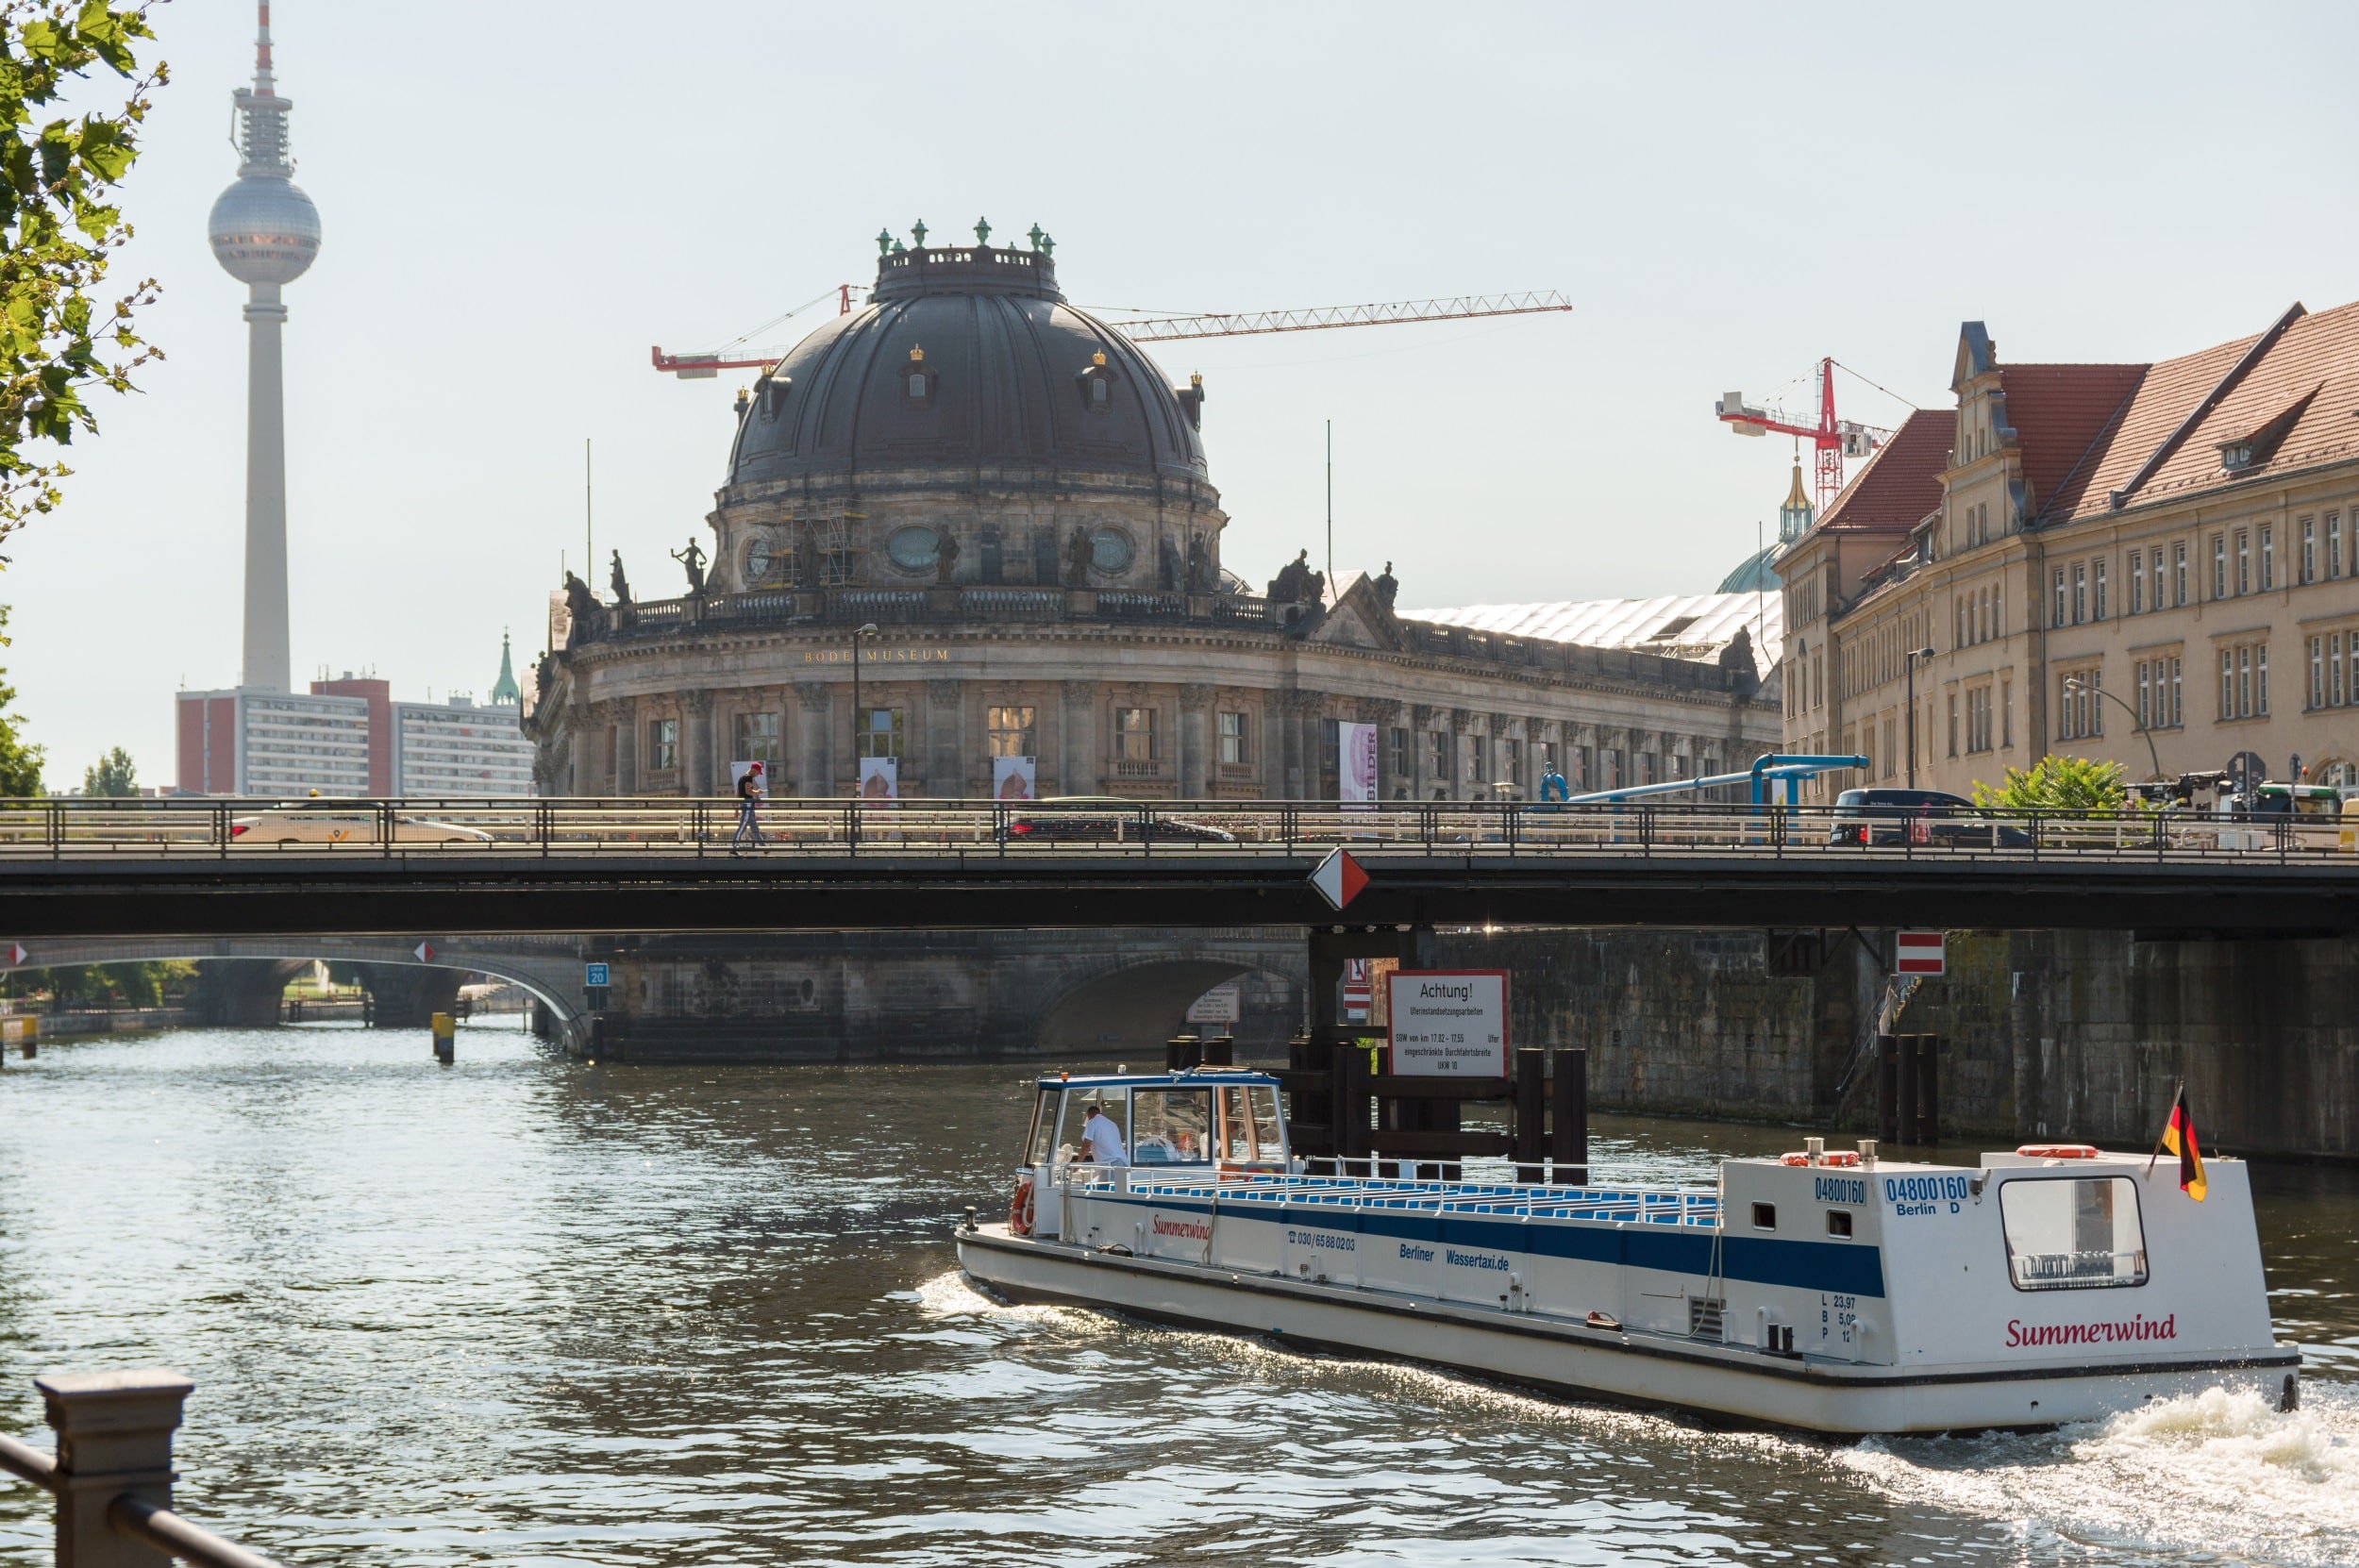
[{"x": 2077, "y": 1035}]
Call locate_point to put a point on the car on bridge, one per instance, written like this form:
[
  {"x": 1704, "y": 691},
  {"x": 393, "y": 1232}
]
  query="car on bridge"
[
  {"x": 1933, "y": 817},
  {"x": 1105, "y": 818},
  {"x": 293, "y": 828}
]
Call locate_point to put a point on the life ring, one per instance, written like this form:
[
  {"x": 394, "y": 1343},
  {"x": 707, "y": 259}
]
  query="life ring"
[
  {"x": 1020, "y": 1211},
  {"x": 2057, "y": 1151},
  {"x": 1797, "y": 1158},
  {"x": 1842, "y": 1157}
]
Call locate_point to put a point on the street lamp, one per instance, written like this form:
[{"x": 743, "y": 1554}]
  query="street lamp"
[
  {"x": 1913, "y": 655},
  {"x": 2076, "y": 683},
  {"x": 858, "y": 718}
]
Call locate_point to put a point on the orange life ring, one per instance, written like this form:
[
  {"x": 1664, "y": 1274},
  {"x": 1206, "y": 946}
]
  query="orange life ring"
[
  {"x": 1832, "y": 1156},
  {"x": 1020, "y": 1211},
  {"x": 2057, "y": 1151},
  {"x": 1797, "y": 1158}
]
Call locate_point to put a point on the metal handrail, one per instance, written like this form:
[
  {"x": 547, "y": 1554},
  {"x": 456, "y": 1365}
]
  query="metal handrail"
[
  {"x": 138, "y": 1518},
  {"x": 27, "y": 1462}
]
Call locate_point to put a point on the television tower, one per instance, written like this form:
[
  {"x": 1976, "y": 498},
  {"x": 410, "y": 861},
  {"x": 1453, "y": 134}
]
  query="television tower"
[{"x": 265, "y": 232}]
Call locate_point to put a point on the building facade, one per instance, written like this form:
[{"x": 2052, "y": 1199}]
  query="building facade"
[
  {"x": 459, "y": 749},
  {"x": 970, "y": 531},
  {"x": 2154, "y": 564},
  {"x": 251, "y": 741}
]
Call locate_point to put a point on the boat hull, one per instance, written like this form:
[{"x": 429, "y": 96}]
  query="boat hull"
[{"x": 1621, "y": 1365}]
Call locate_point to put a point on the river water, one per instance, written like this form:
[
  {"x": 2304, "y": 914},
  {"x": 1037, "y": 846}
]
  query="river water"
[{"x": 537, "y": 1312}]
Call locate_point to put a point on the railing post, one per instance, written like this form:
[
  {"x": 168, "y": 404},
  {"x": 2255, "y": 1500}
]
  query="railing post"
[{"x": 114, "y": 1440}]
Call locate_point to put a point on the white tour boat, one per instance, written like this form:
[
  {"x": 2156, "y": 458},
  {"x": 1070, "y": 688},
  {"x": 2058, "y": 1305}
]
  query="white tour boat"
[{"x": 1829, "y": 1291}]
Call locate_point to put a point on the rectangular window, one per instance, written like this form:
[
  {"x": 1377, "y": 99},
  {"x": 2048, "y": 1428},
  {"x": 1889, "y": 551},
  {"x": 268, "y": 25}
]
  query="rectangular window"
[
  {"x": 2157, "y": 560},
  {"x": 2318, "y": 672},
  {"x": 2146, "y": 697},
  {"x": 1010, "y": 732},
  {"x": 758, "y": 738},
  {"x": 2244, "y": 561},
  {"x": 2064, "y": 605},
  {"x": 2334, "y": 544},
  {"x": 2079, "y": 592},
  {"x": 1134, "y": 735},
  {"x": 1396, "y": 754},
  {"x": 2072, "y": 1233},
  {"x": 2261, "y": 681},
  {"x": 2350, "y": 649},
  {"x": 1954, "y": 724},
  {"x": 2244, "y": 683},
  {"x": 2096, "y": 591},
  {"x": 2176, "y": 718},
  {"x": 1237, "y": 747},
  {"x": 2268, "y": 558},
  {"x": 2179, "y": 573},
  {"x": 2219, "y": 566},
  {"x": 662, "y": 745},
  {"x": 2006, "y": 711},
  {"x": 1585, "y": 765},
  {"x": 1441, "y": 756},
  {"x": 2137, "y": 586},
  {"x": 1513, "y": 759},
  {"x": 2228, "y": 683},
  {"x": 2334, "y": 669},
  {"x": 1478, "y": 761},
  {"x": 882, "y": 735},
  {"x": 2308, "y": 549}
]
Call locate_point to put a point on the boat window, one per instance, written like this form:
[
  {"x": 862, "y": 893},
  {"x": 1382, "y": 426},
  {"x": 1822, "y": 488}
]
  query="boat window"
[
  {"x": 1765, "y": 1216},
  {"x": 1116, "y": 1103},
  {"x": 2071, "y": 1234},
  {"x": 1171, "y": 1127},
  {"x": 1269, "y": 1133},
  {"x": 1044, "y": 1140},
  {"x": 1839, "y": 1223}
]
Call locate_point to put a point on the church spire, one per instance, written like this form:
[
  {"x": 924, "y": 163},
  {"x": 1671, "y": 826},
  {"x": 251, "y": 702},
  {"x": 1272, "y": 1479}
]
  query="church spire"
[
  {"x": 505, "y": 689},
  {"x": 1794, "y": 517}
]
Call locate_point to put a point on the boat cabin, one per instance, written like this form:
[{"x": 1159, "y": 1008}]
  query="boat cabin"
[{"x": 1207, "y": 1119}]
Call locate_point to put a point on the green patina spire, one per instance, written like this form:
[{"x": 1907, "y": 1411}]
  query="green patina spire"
[{"x": 505, "y": 689}]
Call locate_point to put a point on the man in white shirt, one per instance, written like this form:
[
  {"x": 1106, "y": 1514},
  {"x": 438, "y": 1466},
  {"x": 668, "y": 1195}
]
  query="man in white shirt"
[{"x": 1103, "y": 1137}]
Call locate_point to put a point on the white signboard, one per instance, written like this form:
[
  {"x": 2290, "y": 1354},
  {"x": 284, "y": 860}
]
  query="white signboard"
[
  {"x": 1355, "y": 761},
  {"x": 1013, "y": 779},
  {"x": 1448, "y": 1022},
  {"x": 879, "y": 778},
  {"x": 1220, "y": 1004}
]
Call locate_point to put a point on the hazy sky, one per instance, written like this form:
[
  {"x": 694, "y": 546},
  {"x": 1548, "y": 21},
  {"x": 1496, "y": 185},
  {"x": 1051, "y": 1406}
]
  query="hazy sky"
[{"x": 519, "y": 199}]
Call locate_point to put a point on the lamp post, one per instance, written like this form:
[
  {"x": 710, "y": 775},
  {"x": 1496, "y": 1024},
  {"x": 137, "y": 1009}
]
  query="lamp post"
[
  {"x": 858, "y": 718},
  {"x": 2076, "y": 684},
  {"x": 1913, "y": 655}
]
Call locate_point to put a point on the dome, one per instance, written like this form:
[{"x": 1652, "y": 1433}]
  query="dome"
[
  {"x": 967, "y": 355},
  {"x": 1754, "y": 572},
  {"x": 264, "y": 230}
]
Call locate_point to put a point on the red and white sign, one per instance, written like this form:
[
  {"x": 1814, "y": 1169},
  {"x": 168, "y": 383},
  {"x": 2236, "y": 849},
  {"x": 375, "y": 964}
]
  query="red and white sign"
[
  {"x": 14, "y": 951},
  {"x": 1448, "y": 1022},
  {"x": 1339, "y": 879},
  {"x": 1921, "y": 953},
  {"x": 424, "y": 952},
  {"x": 1359, "y": 993}
]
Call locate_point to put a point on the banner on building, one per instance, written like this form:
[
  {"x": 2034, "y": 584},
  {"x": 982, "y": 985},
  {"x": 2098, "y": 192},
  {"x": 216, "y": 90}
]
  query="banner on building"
[
  {"x": 1355, "y": 761},
  {"x": 760, "y": 772},
  {"x": 1448, "y": 1022},
  {"x": 1013, "y": 779},
  {"x": 879, "y": 778}
]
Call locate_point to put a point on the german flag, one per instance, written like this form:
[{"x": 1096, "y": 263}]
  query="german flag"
[{"x": 2179, "y": 1138}]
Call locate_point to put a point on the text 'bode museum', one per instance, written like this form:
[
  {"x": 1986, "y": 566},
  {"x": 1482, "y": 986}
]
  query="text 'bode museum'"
[{"x": 1002, "y": 505}]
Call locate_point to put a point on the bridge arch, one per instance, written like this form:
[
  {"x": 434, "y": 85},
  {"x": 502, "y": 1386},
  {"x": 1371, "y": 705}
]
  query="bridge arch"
[{"x": 1132, "y": 1007}]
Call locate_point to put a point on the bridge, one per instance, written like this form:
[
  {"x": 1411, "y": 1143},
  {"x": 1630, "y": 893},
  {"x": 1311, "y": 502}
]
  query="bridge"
[{"x": 100, "y": 868}]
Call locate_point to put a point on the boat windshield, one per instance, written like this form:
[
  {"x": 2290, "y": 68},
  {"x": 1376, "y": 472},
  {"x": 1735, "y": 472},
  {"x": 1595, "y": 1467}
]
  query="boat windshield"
[
  {"x": 2074, "y": 1233},
  {"x": 1249, "y": 1123},
  {"x": 1171, "y": 1127}
]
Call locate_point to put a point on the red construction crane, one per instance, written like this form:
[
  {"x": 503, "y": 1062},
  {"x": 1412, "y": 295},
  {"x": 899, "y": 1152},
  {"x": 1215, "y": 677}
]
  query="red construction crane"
[
  {"x": 1834, "y": 439},
  {"x": 690, "y": 367}
]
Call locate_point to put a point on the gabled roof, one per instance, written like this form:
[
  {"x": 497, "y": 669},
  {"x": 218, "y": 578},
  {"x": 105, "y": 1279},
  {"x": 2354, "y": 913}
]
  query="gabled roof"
[
  {"x": 1680, "y": 625},
  {"x": 2058, "y": 412},
  {"x": 2311, "y": 355},
  {"x": 1896, "y": 488}
]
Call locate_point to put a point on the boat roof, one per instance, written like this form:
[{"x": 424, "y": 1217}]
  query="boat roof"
[{"x": 1192, "y": 1077}]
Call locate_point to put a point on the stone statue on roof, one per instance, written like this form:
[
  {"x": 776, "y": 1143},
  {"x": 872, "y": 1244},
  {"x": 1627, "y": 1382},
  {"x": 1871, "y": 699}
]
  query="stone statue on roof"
[
  {"x": 620, "y": 583},
  {"x": 693, "y": 561},
  {"x": 1387, "y": 587},
  {"x": 945, "y": 557},
  {"x": 1738, "y": 656},
  {"x": 580, "y": 604},
  {"x": 1077, "y": 551}
]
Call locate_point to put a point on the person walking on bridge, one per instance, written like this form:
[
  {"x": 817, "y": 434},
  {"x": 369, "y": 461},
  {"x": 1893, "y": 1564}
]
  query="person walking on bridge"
[{"x": 748, "y": 805}]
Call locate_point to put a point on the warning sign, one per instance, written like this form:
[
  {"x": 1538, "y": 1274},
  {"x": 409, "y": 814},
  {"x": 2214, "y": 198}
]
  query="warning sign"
[
  {"x": 1448, "y": 1022},
  {"x": 1922, "y": 953}
]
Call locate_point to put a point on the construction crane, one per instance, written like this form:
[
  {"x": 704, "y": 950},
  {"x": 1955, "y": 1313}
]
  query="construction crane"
[
  {"x": 1833, "y": 438},
  {"x": 704, "y": 367},
  {"x": 693, "y": 367}
]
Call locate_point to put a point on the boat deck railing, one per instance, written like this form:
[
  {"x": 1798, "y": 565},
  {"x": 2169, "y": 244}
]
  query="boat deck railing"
[{"x": 1679, "y": 1205}]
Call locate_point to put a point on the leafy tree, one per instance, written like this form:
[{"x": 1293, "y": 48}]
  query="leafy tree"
[
  {"x": 57, "y": 225},
  {"x": 112, "y": 776},
  {"x": 2058, "y": 784},
  {"x": 20, "y": 764}
]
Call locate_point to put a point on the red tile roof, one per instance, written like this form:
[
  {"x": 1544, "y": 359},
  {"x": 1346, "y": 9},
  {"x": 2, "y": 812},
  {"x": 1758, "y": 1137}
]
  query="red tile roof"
[
  {"x": 1895, "y": 489},
  {"x": 2316, "y": 354},
  {"x": 2058, "y": 412}
]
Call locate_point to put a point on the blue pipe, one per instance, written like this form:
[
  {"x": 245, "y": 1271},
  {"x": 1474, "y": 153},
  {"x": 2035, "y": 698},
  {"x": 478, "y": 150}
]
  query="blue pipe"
[{"x": 1793, "y": 769}]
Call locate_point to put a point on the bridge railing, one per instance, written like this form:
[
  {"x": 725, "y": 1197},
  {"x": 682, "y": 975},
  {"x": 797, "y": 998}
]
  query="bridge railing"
[{"x": 80, "y": 827}]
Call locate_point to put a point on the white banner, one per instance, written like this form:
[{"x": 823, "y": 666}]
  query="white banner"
[
  {"x": 879, "y": 778},
  {"x": 1223, "y": 1003},
  {"x": 1448, "y": 1022},
  {"x": 1355, "y": 761},
  {"x": 1013, "y": 779}
]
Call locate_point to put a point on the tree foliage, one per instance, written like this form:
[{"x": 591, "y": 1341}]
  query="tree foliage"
[
  {"x": 20, "y": 764},
  {"x": 2058, "y": 784},
  {"x": 114, "y": 775},
  {"x": 56, "y": 226}
]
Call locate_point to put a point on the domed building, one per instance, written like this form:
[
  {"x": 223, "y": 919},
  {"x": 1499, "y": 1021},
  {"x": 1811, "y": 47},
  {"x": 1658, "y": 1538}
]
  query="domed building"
[
  {"x": 1016, "y": 499},
  {"x": 1756, "y": 572}
]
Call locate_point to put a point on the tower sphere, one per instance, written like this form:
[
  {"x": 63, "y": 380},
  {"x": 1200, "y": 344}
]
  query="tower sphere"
[{"x": 264, "y": 230}]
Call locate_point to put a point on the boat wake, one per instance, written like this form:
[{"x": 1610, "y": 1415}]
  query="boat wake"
[{"x": 2225, "y": 1473}]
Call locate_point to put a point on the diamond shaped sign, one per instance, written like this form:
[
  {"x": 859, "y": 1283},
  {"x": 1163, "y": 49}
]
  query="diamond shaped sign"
[
  {"x": 425, "y": 952},
  {"x": 1339, "y": 879}
]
